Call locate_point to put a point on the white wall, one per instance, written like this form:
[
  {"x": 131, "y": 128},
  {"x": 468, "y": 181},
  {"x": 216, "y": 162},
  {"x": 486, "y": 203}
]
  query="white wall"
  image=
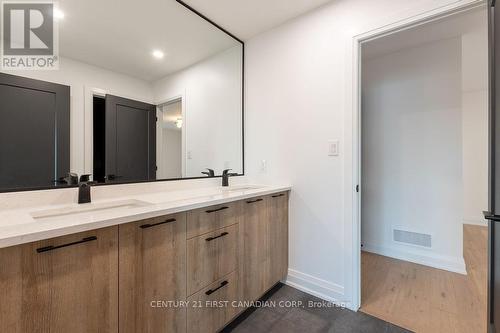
[
  {"x": 212, "y": 97},
  {"x": 298, "y": 97},
  {"x": 475, "y": 123},
  {"x": 412, "y": 152},
  {"x": 79, "y": 76}
]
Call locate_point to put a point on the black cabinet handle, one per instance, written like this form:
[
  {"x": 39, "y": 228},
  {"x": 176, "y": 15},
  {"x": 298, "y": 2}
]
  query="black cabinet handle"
[
  {"x": 254, "y": 201},
  {"x": 216, "y": 210},
  {"x": 279, "y": 195},
  {"x": 221, "y": 235},
  {"x": 222, "y": 285},
  {"x": 51, "y": 247},
  {"x": 145, "y": 226}
]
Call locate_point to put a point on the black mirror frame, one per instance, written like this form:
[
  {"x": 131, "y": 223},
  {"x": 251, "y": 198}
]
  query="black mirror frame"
[{"x": 182, "y": 3}]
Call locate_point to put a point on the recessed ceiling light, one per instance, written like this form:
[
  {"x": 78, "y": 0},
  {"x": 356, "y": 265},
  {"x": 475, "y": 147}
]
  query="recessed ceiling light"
[
  {"x": 58, "y": 14},
  {"x": 158, "y": 54}
]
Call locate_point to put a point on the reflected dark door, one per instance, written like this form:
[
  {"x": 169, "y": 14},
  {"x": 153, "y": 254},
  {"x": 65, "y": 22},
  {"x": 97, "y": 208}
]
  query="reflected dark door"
[
  {"x": 130, "y": 140},
  {"x": 34, "y": 132},
  {"x": 493, "y": 215}
]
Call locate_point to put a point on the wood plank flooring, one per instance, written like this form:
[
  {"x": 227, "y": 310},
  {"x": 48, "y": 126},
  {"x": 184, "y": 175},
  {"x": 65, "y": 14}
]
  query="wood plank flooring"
[{"x": 425, "y": 299}]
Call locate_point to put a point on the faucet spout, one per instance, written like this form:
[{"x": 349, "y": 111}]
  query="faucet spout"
[
  {"x": 84, "y": 186},
  {"x": 225, "y": 177}
]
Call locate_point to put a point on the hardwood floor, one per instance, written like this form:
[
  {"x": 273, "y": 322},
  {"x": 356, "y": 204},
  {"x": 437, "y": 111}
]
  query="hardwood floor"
[{"x": 424, "y": 299}]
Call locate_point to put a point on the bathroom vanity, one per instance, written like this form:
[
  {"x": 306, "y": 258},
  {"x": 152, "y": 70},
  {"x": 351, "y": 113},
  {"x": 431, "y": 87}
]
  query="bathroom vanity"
[
  {"x": 142, "y": 106},
  {"x": 186, "y": 265}
]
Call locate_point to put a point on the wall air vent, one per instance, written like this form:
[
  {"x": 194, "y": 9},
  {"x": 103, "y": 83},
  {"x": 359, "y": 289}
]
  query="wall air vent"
[{"x": 412, "y": 238}]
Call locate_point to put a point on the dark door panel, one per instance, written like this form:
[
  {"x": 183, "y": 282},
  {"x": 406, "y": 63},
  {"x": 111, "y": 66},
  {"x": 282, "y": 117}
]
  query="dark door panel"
[
  {"x": 494, "y": 171},
  {"x": 130, "y": 140},
  {"x": 34, "y": 132}
]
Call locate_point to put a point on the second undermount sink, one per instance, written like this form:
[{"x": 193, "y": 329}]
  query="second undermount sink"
[
  {"x": 238, "y": 188},
  {"x": 87, "y": 209}
]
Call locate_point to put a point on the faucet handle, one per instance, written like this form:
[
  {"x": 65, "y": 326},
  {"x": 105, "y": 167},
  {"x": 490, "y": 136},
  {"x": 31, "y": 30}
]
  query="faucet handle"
[
  {"x": 209, "y": 173},
  {"x": 85, "y": 178},
  {"x": 227, "y": 173},
  {"x": 70, "y": 179}
]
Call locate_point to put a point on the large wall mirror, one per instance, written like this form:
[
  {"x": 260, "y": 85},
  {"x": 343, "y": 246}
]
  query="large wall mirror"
[{"x": 145, "y": 91}]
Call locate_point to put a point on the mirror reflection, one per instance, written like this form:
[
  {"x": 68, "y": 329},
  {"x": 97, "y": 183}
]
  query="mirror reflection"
[{"x": 148, "y": 92}]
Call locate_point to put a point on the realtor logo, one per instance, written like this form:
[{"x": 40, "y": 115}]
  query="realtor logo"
[{"x": 28, "y": 36}]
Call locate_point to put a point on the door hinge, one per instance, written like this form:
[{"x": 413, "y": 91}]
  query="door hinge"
[{"x": 357, "y": 188}]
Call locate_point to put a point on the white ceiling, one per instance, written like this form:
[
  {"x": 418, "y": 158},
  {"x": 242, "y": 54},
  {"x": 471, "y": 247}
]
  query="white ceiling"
[
  {"x": 120, "y": 35},
  {"x": 445, "y": 28},
  {"x": 248, "y": 18}
]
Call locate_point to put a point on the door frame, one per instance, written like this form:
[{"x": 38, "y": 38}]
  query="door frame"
[{"x": 352, "y": 203}]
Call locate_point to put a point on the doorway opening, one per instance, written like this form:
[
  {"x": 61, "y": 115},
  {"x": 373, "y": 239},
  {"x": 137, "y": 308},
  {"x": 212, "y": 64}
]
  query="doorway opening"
[
  {"x": 170, "y": 128},
  {"x": 124, "y": 140},
  {"x": 99, "y": 130},
  {"x": 424, "y": 174}
]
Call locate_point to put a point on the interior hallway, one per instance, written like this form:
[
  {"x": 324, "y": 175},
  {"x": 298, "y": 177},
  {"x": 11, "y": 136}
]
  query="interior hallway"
[{"x": 425, "y": 299}]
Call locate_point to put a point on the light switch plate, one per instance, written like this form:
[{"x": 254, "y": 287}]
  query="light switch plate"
[
  {"x": 333, "y": 148},
  {"x": 263, "y": 166}
]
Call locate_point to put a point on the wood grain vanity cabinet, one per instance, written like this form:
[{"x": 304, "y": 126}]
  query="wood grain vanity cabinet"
[
  {"x": 212, "y": 308},
  {"x": 126, "y": 278},
  {"x": 255, "y": 274},
  {"x": 152, "y": 268},
  {"x": 278, "y": 237},
  {"x": 64, "y": 284},
  {"x": 203, "y": 220},
  {"x": 211, "y": 256},
  {"x": 265, "y": 249}
]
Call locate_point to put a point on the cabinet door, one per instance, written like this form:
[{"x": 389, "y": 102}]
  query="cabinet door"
[
  {"x": 255, "y": 270},
  {"x": 152, "y": 268},
  {"x": 204, "y": 220},
  {"x": 211, "y": 256},
  {"x": 213, "y": 307},
  {"x": 278, "y": 235},
  {"x": 65, "y": 284}
]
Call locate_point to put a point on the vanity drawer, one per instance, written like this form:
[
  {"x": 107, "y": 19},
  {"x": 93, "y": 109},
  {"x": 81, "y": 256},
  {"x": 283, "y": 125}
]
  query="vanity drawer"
[
  {"x": 213, "y": 307},
  {"x": 203, "y": 220},
  {"x": 211, "y": 256}
]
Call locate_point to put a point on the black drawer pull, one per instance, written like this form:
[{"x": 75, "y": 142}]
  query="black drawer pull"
[
  {"x": 221, "y": 235},
  {"x": 254, "y": 201},
  {"x": 216, "y": 210},
  {"x": 211, "y": 291},
  {"x": 279, "y": 195},
  {"x": 145, "y": 226},
  {"x": 51, "y": 247}
]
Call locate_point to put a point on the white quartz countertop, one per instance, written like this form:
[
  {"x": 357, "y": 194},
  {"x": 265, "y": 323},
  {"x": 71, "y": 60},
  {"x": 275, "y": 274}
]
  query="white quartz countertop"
[{"x": 31, "y": 224}]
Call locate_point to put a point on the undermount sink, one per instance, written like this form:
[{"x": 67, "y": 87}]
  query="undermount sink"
[
  {"x": 87, "y": 209},
  {"x": 242, "y": 188}
]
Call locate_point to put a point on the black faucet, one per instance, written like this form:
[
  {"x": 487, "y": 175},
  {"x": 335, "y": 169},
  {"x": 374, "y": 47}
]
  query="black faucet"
[
  {"x": 225, "y": 177},
  {"x": 209, "y": 173},
  {"x": 70, "y": 179},
  {"x": 84, "y": 189}
]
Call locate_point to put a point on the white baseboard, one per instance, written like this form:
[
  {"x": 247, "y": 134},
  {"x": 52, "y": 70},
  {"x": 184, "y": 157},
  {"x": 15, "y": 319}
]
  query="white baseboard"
[
  {"x": 320, "y": 288},
  {"x": 452, "y": 264}
]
